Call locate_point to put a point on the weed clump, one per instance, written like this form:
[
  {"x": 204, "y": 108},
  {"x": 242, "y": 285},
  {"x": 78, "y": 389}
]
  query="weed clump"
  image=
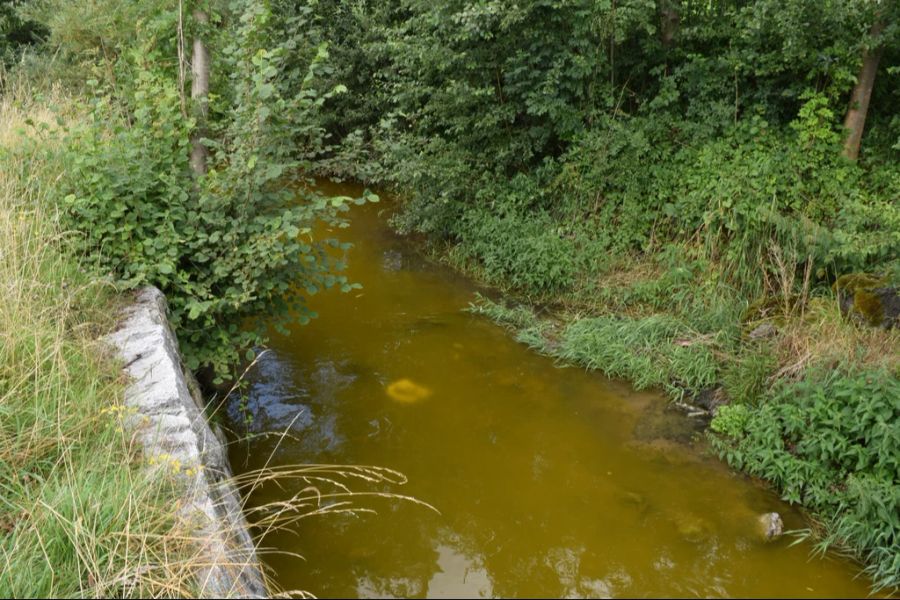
[{"x": 830, "y": 441}]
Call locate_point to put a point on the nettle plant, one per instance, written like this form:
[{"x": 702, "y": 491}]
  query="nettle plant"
[{"x": 234, "y": 250}]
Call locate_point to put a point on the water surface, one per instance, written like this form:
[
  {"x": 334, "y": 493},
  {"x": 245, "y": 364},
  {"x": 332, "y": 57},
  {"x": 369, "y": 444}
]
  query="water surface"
[{"x": 550, "y": 481}]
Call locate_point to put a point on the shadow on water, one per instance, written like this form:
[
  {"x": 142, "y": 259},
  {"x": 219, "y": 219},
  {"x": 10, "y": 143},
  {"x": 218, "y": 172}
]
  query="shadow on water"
[{"x": 550, "y": 481}]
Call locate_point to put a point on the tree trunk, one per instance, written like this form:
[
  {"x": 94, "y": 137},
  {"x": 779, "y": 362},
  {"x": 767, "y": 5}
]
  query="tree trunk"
[
  {"x": 669, "y": 21},
  {"x": 199, "y": 95},
  {"x": 855, "y": 120}
]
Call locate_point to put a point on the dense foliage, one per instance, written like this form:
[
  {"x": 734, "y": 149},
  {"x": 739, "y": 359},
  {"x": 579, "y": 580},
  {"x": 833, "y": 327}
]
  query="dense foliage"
[
  {"x": 16, "y": 32},
  {"x": 667, "y": 175},
  {"x": 527, "y": 131},
  {"x": 236, "y": 243}
]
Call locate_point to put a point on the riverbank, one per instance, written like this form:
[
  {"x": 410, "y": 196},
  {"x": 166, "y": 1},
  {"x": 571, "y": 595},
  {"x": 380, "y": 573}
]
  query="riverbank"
[
  {"x": 795, "y": 394},
  {"x": 93, "y": 479},
  {"x": 80, "y": 514}
]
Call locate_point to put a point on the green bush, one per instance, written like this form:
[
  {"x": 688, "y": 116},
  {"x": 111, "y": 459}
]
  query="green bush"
[
  {"x": 832, "y": 442},
  {"x": 730, "y": 420},
  {"x": 752, "y": 186},
  {"x": 231, "y": 246},
  {"x": 525, "y": 252}
]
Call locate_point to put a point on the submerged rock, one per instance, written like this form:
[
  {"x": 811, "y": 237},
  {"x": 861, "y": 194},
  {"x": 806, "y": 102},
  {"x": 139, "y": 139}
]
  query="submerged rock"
[
  {"x": 392, "y": 260},
  {"x": 868, "y": 300},
  {"x": 692, "y": 528},
  {"x": 666, "y": 425},
  {"x": 406, "y": 391},
  {"x": 770, "y": 526}
]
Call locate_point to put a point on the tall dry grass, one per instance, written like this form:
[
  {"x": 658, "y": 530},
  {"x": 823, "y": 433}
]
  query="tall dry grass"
[{"x": 79, "y": 513}]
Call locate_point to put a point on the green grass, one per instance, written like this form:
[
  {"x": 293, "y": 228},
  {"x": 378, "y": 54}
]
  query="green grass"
[
  {"x": 79, "y": 513},
  {"x": 653, "y": 351}
]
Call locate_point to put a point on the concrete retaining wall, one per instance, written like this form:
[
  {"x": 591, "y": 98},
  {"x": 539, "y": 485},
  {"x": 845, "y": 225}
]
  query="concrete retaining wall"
[{"x": 171, "y": 426}]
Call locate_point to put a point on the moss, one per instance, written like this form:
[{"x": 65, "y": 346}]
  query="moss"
[
  {"x": 869, "y": 306},
  {"x": 853, "y": 282},
  {"x": 860, "y": 298}
]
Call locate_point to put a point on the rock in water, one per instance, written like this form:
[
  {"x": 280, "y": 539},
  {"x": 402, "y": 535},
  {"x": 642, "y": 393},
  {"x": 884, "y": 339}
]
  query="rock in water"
[
  {"x": 771, "y": 526},
  {"x": 392, "y": 260}
]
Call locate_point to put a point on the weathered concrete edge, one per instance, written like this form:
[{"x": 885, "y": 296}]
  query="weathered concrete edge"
[{"x": 169, "y": 421}]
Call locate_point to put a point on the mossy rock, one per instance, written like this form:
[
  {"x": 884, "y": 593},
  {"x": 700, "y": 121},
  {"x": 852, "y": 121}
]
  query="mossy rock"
[
  {"x": 768, "y": 308},
  {"x": 868, "y": 299},
  {"x": 852, "y": 282}
]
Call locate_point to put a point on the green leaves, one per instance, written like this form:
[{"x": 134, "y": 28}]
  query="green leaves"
[
  {"x": 232, "y": 249},
  {"x": 832, "y": 442}
]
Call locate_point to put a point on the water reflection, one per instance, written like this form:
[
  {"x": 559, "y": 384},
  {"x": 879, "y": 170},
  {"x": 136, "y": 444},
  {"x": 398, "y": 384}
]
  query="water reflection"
[
  {"x": 283, "y": 399},
  {"x": 454, "y": 570},
  {"x": 550, "y": 481},
  {"x": 459, "y": 575}
]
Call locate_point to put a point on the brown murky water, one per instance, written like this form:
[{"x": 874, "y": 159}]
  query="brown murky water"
[{"x": 549, "y": 481}]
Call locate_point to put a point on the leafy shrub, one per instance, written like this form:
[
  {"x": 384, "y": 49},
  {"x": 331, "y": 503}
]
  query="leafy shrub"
[
  {"x": 226, "y": 248},
  {"x": 731, "y": 420},
  {"x": 832, "y": 442},
  {"x": 525, "y": 252}
]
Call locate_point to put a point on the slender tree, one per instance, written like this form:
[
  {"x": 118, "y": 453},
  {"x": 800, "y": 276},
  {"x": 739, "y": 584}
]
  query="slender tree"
[
  {"x": 199, "y": 92},
  {"x": 855, "y": 119},
  {"x": 669, "y": 22}
]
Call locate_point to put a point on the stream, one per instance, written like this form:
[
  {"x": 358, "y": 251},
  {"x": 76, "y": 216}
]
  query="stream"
[{"x": 549, "y": 481}]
